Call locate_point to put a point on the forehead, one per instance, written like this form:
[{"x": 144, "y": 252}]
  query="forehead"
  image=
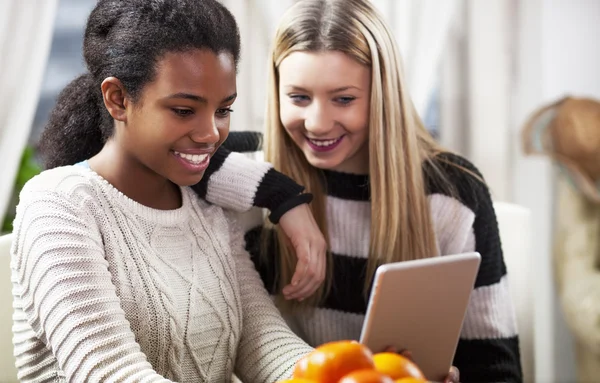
[
  {"x": 323, "y": 70},
  {"x": 200, "y": 72}
]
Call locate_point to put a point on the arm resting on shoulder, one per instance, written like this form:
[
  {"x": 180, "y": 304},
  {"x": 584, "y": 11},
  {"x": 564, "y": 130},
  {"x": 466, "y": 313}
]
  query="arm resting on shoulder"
[{"x": 236, "y": 182}]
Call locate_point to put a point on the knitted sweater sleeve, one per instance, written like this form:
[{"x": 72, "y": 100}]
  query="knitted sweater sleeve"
[
  {"x": 488, "y": 349},
  {"x": 236, "y": 182},
  {"x": 63, "y": 295},
  {"x": 268, "y": 349}
]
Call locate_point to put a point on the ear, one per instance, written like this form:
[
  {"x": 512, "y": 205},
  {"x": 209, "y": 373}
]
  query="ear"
[{"x": 115, "y": 98}]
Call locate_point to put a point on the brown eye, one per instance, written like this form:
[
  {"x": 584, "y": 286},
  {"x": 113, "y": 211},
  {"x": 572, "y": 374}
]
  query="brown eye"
[
  {"x": 224, "y": 112},
  {"x": 182, "y": 112}
]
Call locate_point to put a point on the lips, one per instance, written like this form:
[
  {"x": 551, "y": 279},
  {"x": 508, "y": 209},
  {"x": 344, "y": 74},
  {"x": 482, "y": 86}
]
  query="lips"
[
  {"x": 324, "y": 145},
  {"x": 195, "y": 159}
]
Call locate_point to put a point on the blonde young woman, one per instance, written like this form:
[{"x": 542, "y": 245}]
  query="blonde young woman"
[{"x": 341, "y": 123}]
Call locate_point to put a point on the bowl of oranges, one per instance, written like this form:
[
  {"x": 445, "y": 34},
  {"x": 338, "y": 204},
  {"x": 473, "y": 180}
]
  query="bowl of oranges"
[{"x": 352, "y": 362}]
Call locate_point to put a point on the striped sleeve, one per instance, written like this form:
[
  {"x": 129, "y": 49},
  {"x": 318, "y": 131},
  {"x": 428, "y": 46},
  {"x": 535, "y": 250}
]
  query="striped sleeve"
[
  {"x": 66, "y": 305},
  {"x": 488, "y": 349},
  {"x": 234, "y": 181}
]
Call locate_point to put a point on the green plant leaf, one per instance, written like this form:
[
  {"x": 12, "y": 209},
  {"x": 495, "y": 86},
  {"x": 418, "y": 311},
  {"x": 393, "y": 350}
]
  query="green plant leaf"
[{"x": 28, "y": 169}]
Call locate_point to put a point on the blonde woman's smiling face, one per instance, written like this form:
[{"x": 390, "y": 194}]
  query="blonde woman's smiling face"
[{"x": 324, "y": 107}]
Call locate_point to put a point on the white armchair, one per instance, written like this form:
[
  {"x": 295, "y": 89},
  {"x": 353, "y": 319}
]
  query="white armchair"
[
  {"x": 8, "y": 372},
  {"x": 515, "y": 233}
]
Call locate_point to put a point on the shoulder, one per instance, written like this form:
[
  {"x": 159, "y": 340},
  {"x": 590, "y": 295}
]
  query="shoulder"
[
  {"x": 244, "y": 220},
  {"x": 453, "y": 176},
  {"x": 59, "y": 200},
  {"x": 69, "y": 182},
  {"x": 208, "y": 211},
  {"x": 223, "y": 222}
]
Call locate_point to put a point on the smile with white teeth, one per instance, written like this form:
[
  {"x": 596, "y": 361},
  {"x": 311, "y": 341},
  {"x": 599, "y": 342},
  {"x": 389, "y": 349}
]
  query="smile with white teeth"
[
  {"x": 195, "y": 159},
  {"x": 324, "y": 142}
]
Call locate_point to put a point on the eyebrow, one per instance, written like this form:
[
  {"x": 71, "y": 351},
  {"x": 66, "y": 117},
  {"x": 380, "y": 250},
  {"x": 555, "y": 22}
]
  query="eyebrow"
[
  {"x": 336, "y": 90},
  {"x": 193, "y": 97}
]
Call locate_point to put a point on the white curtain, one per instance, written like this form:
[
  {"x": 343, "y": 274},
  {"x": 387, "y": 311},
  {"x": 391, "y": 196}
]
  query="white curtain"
[
  {"x": 257, "y": 21},
  {"x": 25, "y": 38},
  {"x": 421, "y": 28},
  {"x": 478, "y": 76}
]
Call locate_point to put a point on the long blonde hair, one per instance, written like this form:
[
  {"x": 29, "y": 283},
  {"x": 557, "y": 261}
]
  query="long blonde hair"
[{"x": 401, "y": 224}]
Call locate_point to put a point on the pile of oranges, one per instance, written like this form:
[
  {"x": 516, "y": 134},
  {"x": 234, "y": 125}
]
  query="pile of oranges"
[{"x": 351, "y": 362}]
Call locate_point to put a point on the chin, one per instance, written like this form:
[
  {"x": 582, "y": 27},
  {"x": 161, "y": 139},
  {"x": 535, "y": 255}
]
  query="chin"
[
  {"x": 187, "y": 181},
  {"x": 323, "y": 164}
]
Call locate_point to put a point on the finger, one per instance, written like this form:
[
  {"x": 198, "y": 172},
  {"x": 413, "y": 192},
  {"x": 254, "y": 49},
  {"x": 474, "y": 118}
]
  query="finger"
[
  {"x": 303, "y": 255},
  {"x": 313, "y": 275},
  {"x": 301, "y": 275},
  {"x": 302, "y": 267},
  {"x": 453, "y": 376},
  {"x": 317, "y": 269},
  {"x": 322, "y": 264},
  {"x": 298, "y": 280},
  {"x": 308, "y": 284},
  {"x": 455, "y": 373},
  {"x": 310, "y": 288},
  {"x": 307, "y": 290}
]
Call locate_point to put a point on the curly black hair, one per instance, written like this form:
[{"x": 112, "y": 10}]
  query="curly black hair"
[{"x": 126, "y": 39}]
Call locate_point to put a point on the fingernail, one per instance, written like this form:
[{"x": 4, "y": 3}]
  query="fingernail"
[{"x": 294, "y": 283}]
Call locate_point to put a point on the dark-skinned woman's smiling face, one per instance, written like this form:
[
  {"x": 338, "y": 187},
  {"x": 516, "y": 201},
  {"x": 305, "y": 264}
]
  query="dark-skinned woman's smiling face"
[{"x": 182, "y": 115}]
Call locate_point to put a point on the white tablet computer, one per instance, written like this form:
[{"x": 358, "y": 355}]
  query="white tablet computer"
[{"x": 420, "y": 306}]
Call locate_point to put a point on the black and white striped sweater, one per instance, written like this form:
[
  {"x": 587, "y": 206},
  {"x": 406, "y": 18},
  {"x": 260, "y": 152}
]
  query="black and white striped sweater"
[{"x": 464, "y": 220}]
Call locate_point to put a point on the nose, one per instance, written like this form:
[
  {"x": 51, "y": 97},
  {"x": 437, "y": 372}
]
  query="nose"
[
  {"x": 317, "y": 119},
  {"x": 206, "y": 132}
]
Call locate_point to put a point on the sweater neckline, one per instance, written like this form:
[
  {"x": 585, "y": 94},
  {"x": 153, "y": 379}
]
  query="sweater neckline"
[
  {"x": 348, "y": 186},
  {"x": 166, "y": 217}
]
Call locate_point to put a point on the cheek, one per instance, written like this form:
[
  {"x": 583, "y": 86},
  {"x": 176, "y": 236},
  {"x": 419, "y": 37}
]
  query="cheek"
[
  {"x": 291, "y": 118},
  {"x": 144, "y": 126},
  {"x": 223, "y": 124},
  {"x": 223, "y": 128},
  {"x": 356, "y": 120}
]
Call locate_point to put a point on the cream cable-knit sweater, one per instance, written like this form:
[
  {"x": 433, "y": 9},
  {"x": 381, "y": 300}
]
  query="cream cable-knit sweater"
[{"x": 106, "y": 289}]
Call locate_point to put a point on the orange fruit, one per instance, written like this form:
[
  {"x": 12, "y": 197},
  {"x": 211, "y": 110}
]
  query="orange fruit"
[
  {"x": 332, "y": 361},
  {"x": 396, "y": 366},
  {"x": 298, "y": 380},
  {"x": 366, "y": 376},
  {"x": 411, "y": 380}
]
